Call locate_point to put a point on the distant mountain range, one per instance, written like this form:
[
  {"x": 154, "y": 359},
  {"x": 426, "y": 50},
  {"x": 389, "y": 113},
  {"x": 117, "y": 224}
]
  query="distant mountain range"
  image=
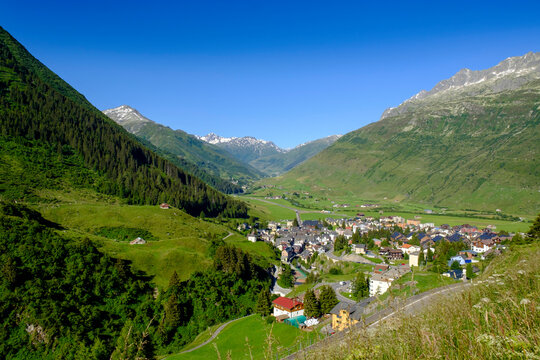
[
  {"x": 266, "y": 156},
  {"x": 212, "y": 157},
  {"x": 207, "y": 161},
  {"x": 473, "y": 141}
]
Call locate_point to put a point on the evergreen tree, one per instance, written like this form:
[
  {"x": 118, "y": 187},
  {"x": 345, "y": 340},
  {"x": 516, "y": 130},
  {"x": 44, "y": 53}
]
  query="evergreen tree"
[
  {"x": 286, "y": 278},
  {"x": 174, "y": 282},
  {"x": 264, "y": 303},
  {"x": 173, "y": 314},
  {"x": 327, "y": 299},
  {"x": 295, "y": 222},
  {"x": 429, "y": 255},
  {"x": 469, "y": 271},
  {"x": 455, "y": 265},
  {"x": 312, "y": 308},
  {"x": 421, "y": 258},
  {"x": 534, "y": 231}
]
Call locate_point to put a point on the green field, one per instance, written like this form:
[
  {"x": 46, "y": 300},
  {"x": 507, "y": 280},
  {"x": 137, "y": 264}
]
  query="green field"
[
  {"x": 268, "y": 211},
  {"x": 323, "y": 201},
  {"x": 424, "y": 281},
  {"x": 182, "y": 239},
  {"x": 247, "y": 339}
]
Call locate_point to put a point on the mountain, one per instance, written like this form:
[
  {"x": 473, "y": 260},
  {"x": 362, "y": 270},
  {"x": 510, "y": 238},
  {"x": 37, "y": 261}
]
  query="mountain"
[
  {"x": 245, "y": 149},
  {"x": 470, "y": 142},
  {"x": 266, "y": 156},
  {"x": 212, "y": 164},
  {"x": 44, "y": 121},
  {"x": 277, "y": 164}
]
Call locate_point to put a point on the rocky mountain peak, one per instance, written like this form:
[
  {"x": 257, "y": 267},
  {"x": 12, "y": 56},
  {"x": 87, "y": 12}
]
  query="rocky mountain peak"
[
  {"x": 509, "y": 74},
  {"x": 127, "y": 117}
]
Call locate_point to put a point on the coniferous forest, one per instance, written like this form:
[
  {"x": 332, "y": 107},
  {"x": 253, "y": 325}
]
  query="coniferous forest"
[
  {"x": 34, "y": 107},
  {"x": 61, "y": 298}
]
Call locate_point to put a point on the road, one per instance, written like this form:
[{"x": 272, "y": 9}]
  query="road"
[
  {"x": 413, "y": 304},
  {"x": 214, "y": 335}
]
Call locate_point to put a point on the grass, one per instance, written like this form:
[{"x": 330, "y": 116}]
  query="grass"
[
  {"x": 269, "y": 211},
  {"x": 247, "y": 339},
  {"x": 496, "y": 318},
  {"x": 322, "y": 200},
  {"x": 424, "y": 281},
  {"x": 181, "y": 245}
]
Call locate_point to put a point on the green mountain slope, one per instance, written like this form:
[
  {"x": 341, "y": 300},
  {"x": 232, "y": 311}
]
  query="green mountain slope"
[
  {"x": 471, "y": 142},
  {"x": 265, "y": 156},
  {"x": 36, "y": 105},
  {"x": 183, "y": 146},
  {"x": 277, "y": 164}
]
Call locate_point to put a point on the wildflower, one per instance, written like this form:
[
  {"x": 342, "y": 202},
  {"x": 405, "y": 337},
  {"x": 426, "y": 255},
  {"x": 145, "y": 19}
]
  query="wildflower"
[
  {"x": 485, "y": 300},
  {"x": 525, "y": 301},
  {"x": 521, "y": 272}
]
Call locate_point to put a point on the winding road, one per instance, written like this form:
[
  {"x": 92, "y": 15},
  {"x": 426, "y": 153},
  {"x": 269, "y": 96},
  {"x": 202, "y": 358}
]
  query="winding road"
[{"x": 214, "y": 335}]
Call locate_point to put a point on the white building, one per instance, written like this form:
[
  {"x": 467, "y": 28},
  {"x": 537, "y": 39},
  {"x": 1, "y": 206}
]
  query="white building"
[{"x": 288, "y": 307}]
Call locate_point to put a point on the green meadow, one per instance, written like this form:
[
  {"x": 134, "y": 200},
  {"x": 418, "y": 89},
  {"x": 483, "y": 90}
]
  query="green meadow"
[{"x": 248, "y": 338}]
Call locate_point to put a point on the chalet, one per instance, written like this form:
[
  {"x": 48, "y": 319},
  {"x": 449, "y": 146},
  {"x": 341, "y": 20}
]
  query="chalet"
[
  {"x": 137, "y": 241},
  {"x": 437, "y": 238},
  {"x": 408, "y": 248},
  {"x": 454, "y": 274},
  {"x": 164, "y": 206},
  {"x": 392, "y": 254},
  {"x": 397, "y": 236},
  {"x": 287, "y": 307},
  {"x": 413, "y": 222},
  {"x": 359, "y": 248},
  {"x": 252, "y": 237},
  {"x": 455, "y": 237},
  {"x": 459, "y": 259}
]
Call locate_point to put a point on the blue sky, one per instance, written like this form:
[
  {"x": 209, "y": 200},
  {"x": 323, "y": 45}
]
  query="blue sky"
[{"x": 286, "y": 71}]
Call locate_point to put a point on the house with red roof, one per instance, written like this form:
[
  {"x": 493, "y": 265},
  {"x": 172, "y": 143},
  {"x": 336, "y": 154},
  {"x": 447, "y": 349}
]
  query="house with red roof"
[{"x": 289, "y": 307}]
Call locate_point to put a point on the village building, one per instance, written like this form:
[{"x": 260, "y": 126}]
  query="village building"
[
  {"x": 137, "y": 241},
  {"x": 287, "y": 307}
]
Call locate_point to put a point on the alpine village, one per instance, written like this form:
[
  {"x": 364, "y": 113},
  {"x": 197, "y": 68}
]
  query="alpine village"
[{"x": 415, "y": 236}]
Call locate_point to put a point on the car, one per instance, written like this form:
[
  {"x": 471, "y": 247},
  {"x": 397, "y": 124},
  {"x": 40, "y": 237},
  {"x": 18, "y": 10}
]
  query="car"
[{"x": 342, "y": 283}]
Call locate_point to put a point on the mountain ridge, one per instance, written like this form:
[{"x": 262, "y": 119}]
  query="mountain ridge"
[
  {"x": 473, "y": 148},
  {"x": 186, "y": 148}
]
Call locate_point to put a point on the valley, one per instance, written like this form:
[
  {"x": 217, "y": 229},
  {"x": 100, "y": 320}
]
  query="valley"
[{"x": 122, "y": 238}]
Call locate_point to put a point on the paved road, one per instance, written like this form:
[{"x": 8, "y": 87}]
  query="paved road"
[
  {"x": 412, "y": 305},
  {"x": 214, "y": 335}
]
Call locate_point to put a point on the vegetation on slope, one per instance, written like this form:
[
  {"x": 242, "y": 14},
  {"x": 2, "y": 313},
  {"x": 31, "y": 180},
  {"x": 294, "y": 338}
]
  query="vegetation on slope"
[
  {"x": 63, "y": 298},
  {"x": 188, "y": 148},
  {"x": 498, "y": 318},
  {"x": 31, "y": 109},
  {"x": 478, "y": 152}
]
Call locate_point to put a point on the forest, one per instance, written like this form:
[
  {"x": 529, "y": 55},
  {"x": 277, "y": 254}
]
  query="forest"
[
  {"x": 56, "y": 292},
  {"x": 32, "y": 108}
]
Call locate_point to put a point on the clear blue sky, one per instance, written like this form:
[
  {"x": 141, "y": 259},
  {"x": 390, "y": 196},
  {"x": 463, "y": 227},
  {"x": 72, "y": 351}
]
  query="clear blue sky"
[{"x": 286, "y": 71}]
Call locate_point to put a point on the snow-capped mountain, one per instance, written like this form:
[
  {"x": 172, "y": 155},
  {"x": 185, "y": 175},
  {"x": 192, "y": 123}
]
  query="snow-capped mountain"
[
  {"x": 127, "y": 117},
  {"x": 509, "y": 74}
]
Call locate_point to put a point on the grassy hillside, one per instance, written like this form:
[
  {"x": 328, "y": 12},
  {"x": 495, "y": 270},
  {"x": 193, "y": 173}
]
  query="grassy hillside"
[
  {"x": 478, "y": 152},
  {"x": 495, "y": 319},
  {"x": 247, "y": 339},
  {"x": 277, "y": 164}
]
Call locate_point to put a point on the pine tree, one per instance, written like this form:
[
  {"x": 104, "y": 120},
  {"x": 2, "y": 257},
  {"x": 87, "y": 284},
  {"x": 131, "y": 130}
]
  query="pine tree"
[
  {"x": 173, "y": 315},
  {"x": 312, "y": 307},
  {"x": 469, "y": 271},
  {"x": 429, "y": 255},
  {"x": 421, "y": 258},
  {"x": 264, "y": 304},
  {"x": 327, "y": 299},
  {"x": 174, "y": 283}
]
